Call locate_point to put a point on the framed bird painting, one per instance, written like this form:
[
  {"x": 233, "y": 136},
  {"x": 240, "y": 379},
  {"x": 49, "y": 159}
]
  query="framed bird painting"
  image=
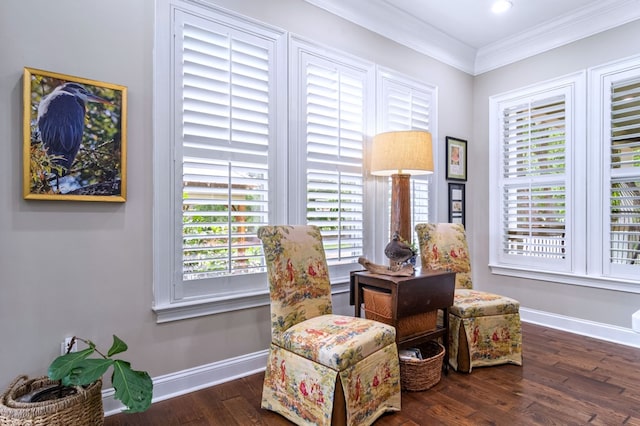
[{"x": 75, "y": 138}]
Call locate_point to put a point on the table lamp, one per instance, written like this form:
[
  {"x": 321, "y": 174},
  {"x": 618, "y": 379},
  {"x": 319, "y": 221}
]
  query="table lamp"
[{"x": 401, "y": 154}]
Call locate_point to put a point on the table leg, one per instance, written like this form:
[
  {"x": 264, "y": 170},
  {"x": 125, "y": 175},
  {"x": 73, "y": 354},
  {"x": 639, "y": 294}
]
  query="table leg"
[{"x": 445, "y": 340}]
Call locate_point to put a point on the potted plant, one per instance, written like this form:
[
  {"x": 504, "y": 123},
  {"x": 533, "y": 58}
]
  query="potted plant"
[
  {"x": 71, "y": 392},
  {"x": 133, "y": 388}
]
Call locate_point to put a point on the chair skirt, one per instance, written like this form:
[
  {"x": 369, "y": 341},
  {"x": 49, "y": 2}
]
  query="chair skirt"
[
  {"x": 484, "y": 330},
  {"x": 305, "y": 391}
]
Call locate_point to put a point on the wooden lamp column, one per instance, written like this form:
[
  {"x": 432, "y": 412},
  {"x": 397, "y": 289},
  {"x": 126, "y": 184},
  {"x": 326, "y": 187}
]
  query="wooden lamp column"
[
  {"x": 400, "y": 155},
  {"x": 401, "y": 206}
]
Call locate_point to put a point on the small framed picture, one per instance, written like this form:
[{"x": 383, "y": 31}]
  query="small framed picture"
[
  {"x": 456, "y": 159},
  {"x": 456, "y": 203},
  {"x": 75, "y": 138}
]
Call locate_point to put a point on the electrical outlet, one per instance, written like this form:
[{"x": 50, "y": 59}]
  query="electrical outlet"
[{"x": 64, "y": 346}]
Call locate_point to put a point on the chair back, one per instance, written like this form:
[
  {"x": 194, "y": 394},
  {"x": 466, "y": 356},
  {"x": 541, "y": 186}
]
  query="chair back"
[
  {"x": 299, "y": 286},
  {"x": 443, "y": 246}
]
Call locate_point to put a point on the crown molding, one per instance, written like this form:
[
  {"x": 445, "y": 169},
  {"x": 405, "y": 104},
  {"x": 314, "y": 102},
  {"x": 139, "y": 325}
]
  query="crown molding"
[
  {"x": 557, "y": 32},
  {"x": 428, "y": 40},
  {"x": 413, "y": 32}
]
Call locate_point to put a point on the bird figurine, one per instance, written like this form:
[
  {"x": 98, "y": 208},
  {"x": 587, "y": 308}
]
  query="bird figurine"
[
  {"x": 398, "y": 252},
  {"x": 61, "y": 117}
]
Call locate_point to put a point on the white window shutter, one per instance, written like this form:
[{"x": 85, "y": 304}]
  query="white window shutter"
[
  {"x": 224, "y": 85},
  {"x": 333, "y": 118},
  {"x": 406, "y": 104},
  {"x": 533, "y": 181},
  {"x": 624, "y": 177}
]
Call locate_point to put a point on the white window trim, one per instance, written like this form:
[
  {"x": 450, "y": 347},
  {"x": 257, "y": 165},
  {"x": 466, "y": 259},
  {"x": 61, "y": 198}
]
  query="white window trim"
[
  {"x": 298, "y": 48},
  {"x": 588, "y": 126},
  {"x": 166, "y": 224},
  {"x": 573, "y": 87},
  {"x": 380, "y": 185},
  {"x": 599, "y": 161}
]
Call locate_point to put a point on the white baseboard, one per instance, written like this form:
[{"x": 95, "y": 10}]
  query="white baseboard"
[
  {"x": 193, "y": 379},
  {"x": 609, "y": 333}
]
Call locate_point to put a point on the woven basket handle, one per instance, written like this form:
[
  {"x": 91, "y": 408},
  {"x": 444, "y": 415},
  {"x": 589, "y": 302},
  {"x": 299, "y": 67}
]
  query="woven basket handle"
[
  {"x": 7, "y": 397},
  {"x": 17, "y": 380}
]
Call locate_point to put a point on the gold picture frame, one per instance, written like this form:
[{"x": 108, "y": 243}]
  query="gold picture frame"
[{"x": 75, "y": 138}]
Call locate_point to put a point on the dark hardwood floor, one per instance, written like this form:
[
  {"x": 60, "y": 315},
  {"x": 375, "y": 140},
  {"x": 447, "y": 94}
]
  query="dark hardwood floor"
[{"x": 566, "y": 379}]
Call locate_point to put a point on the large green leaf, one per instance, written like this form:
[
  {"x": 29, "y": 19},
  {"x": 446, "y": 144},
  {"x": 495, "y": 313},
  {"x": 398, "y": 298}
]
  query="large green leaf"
[
  {"x": 87, "y": 371},
  {"x": 133, "y": 388},
  {"x": 117, "y": 347},
  {"x": 64, "y": 364}
]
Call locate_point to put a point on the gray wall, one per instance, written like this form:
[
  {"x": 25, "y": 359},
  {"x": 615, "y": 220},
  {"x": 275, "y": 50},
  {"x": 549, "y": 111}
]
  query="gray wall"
[
  {"x": 605, "y": 306},
  {"x": 86, "y": 268}
]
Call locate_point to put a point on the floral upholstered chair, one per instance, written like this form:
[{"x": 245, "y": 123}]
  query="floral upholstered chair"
[
  {"x": 484, "y": 327},
  {"x": 323, "y": 369}
]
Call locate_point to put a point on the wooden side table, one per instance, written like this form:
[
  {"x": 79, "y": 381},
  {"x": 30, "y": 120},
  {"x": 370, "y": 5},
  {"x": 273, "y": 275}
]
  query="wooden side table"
[{"x": 422, "y": 292}]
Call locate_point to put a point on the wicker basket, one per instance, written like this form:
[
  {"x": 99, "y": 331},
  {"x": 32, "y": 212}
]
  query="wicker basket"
[
  {"x": 422, "y": 374},
  {"x": 377, "y": 306},
  {"x": 81, "y": 409}
]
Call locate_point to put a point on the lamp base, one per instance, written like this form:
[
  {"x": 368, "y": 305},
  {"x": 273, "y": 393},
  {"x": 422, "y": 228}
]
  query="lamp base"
[{"x": 401, "y": 206}]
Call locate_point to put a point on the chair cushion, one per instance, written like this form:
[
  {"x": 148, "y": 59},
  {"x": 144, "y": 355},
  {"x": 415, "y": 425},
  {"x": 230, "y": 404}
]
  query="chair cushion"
[
  {"x": 474, "y": 303},
  {"x": 337, "y": 341}
]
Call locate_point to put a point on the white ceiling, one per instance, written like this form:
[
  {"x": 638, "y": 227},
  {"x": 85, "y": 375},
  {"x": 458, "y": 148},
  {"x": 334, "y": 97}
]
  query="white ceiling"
[
  {"x": 468, "y": 36},
  {"x": 473, "y": 23}
]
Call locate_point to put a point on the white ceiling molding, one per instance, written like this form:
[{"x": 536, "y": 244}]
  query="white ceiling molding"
[
  {"x": 410, "y": 31},
  {"x": 379, "y": 16},
  {"x": 558, "y": 32}
]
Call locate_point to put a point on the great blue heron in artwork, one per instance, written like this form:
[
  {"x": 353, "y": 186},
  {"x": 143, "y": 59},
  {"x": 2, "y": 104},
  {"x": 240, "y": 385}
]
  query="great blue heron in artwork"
[{"x": 61, "y": 122}]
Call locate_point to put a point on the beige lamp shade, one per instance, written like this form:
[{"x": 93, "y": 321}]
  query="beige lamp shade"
[{"x": 402, "y": 152}]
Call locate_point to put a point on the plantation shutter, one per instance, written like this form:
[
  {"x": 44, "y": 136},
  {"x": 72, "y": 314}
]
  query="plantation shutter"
[
  {"x": 225, "y": 103},
  {"x": 533, "y": 178},
  {"x": 409, "y": 106},
  {"x": 624, "y": 183},
  {"x": 334, "y": 119}
]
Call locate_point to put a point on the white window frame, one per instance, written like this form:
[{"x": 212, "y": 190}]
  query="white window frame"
[
  {"x": 571, "y": 87},
  {"x": 589, "y": 201},
  {"x": 303, "y": 51},
  {"x": 168, "y": 287},
  {"x": 387, "y": 80},
  {"x": 287, "y": 194},
  {"x": 601, "y": 78}
]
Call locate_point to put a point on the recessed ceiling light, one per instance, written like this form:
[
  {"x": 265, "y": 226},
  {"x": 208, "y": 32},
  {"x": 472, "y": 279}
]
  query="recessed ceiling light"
[{"x": 500, "y": 6}]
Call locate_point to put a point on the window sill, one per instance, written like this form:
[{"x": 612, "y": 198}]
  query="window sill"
[
  {"x": 605, "y": 283},
  {"x": 197, "y": 308}
]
